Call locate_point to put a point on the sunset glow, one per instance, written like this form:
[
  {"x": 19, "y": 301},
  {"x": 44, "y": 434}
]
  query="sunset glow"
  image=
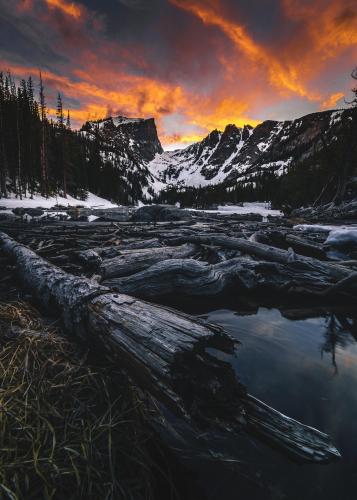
[
  {"x": 194, "y": 65},
  {"x": 70, "y": 9}
]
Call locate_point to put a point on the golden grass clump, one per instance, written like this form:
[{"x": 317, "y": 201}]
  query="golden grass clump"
[{"x": 62, "y": 433}]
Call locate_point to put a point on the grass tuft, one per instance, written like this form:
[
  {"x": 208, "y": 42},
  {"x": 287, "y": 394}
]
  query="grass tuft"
[{"x": 62, "y": 433}]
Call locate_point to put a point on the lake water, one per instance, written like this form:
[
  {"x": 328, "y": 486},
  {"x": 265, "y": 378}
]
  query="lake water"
[{"x": 306, "y": 369}]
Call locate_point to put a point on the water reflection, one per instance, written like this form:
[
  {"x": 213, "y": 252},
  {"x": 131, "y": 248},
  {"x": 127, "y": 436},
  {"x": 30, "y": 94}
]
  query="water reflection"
[
  {"x": 305, "y": 367},
  {"x": 340, "y": 332}
]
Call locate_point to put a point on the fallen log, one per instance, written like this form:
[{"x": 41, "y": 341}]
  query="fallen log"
[
  {"x": 189, "y": 277},
  {"x": 262, "y": 251},
  {"x": 130, "y": 262},
  {"x": 284, "y": 240},
  {"x": 166, "y": 353},
  {"x": 92, "y": 257}
]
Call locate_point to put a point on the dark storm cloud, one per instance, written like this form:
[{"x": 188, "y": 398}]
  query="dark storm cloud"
[
  {"x": 137, "y": 4},
  {"x": 22, "y": 41}
]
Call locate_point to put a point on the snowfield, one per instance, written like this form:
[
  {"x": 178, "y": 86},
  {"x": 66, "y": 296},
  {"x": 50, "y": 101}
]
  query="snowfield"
[{"x": 92, "y": 201}]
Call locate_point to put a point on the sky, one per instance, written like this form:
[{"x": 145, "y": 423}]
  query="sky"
[{"x": 193, "y": 65}]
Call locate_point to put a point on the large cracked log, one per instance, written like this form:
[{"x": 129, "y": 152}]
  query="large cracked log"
[
  {"x": 166, "y": 353},
  {"x": 193, "y": 278}
]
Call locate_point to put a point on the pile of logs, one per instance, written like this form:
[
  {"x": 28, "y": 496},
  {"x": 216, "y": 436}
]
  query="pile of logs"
[
  {"x": 96, "y": 275},
  {"x": 195, "y": 258}
]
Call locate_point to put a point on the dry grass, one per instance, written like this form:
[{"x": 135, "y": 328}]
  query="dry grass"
[{"x": 62, "y": 433}]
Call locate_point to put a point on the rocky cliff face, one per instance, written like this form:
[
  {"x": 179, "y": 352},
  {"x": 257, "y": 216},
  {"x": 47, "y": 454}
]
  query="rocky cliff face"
[
  {"x": 240, "y": 155},
  {"x": 135, "y": 137},
  {"x": 128, "y": 145}
]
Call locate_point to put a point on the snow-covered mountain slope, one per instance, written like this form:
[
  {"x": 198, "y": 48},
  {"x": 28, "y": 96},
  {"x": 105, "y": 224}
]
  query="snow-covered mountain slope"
[
  {"x": 235, "y": 156},
  {"x": 128, "y": 145},
  {"x": 242, "y": 154}
]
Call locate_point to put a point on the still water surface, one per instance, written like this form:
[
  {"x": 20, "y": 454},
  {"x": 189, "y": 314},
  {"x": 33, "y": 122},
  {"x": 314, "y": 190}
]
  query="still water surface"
[{"x": 308, "y": 370}]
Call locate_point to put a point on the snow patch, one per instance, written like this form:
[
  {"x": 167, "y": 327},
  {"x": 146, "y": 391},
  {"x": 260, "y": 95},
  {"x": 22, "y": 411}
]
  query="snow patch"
[
  {"x": 259, "y": 208},
  {"x": 322, "y": 227},
  {"x": 123, "y": 120},
  {"x": 341, "y": 237}
]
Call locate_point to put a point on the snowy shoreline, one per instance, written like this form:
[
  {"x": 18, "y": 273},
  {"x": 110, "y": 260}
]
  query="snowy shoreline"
[{"x": 39, "y": 201}]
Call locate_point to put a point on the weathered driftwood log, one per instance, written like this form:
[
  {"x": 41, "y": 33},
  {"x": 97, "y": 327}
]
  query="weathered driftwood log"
[
  {"x": 166, "y": 353},
  {"x": 264, "y": 252},
  {"x": 284, "y": 240},
  {"x": 130, "y": 262},
  {"x": 189, "y": 277},
  {"x": 92, "y": 258}
]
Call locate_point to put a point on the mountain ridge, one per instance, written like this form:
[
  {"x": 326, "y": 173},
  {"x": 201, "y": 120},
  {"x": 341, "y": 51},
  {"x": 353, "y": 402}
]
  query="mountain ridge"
[
  {"x": 239, "y": 154},
  {"x": 236, "y": 156}
]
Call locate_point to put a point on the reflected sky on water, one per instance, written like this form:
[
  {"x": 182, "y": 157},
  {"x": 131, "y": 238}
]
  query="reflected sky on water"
[{"x": 308, "y": 370}]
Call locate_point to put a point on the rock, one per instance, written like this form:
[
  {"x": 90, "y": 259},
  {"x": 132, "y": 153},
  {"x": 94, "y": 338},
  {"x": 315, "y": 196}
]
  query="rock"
[
  {"x": 117, "y": 214},
  {"x": 160, "y": 213},
  {"x": 34, "y": 212},
  {"x": 19, "y": 211},
  {"x": 79, "y": 213},
  {"x": 57, "y": 208}
]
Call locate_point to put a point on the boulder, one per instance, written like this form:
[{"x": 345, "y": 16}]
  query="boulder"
[
  {"x": 34, "y": 212},
  {"x": 19, "y": 211},
  {"x": 160, "y": 213}
]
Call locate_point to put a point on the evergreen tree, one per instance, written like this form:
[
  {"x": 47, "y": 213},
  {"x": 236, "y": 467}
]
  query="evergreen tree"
[
  {"x": 44, "y": 171},
  {"x": 19, "y": 144},
  {"x": 354, "y": 90},
  {"x": 62, "y": 136},
  {"x": 3, "y": 153},
  {"x": 68, "y": 121},
  {"x": 59, "y": 112}
]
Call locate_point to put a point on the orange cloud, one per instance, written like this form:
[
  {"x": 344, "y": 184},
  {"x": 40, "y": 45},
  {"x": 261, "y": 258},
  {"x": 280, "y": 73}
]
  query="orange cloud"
[
  {"x": 71, "y": 9},
  {"x": 181, "y": 139},
  {"x": 335, "y": 31},
  {"x": 137, "y": 95},
  {"x": 227, "y": 110},
  {"x": 292, "y": 65},
  {"x": 331, "y": 101},
  {"x": 285, "y": 78},
  {"x": 336, "y": 28}
]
